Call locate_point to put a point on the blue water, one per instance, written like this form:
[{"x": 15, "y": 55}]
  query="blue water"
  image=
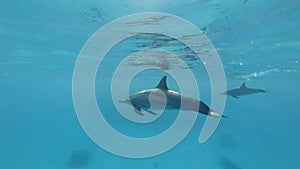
[{"x": 258, "y": 43}]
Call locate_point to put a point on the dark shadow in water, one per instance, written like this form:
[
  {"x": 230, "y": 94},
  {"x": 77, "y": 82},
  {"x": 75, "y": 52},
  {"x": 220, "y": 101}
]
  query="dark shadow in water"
[
  {"x": 228, "y": 164},
  {"x": 227, "y": 141},
  {"x": 79, "y": 158}
]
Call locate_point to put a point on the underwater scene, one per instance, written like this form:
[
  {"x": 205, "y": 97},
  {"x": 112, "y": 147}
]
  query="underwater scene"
[{"x": 157, "y": 84}]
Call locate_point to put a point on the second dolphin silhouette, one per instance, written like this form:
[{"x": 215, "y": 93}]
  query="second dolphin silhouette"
[{"x": 242, "y": 90}]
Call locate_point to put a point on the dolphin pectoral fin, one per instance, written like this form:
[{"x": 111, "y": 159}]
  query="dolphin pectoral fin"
[
  {"x": 138, "y": 111},
  {"x": 234, "y": 96},
  {"x": 151, "y": 112}
]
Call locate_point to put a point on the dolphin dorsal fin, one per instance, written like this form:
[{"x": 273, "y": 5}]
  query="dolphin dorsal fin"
[
  {"x": 163, "y": 84},
  {"x": 243, "y": 86}
]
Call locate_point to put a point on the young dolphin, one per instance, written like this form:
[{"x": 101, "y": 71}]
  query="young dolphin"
[
  {"x": 242, "y": 90},
  {"x": 174, "y": 100}
]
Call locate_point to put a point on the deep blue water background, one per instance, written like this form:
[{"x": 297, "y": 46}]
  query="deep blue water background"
[{"x": 258, "y": 43}]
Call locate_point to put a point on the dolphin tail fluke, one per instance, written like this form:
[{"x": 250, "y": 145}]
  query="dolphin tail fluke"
[
  {"x": 225, "y": 116},
  {"x": 151, "y": 112},
  {"x": 234, "y": 96},
  {"x": 206, "y": 110}
]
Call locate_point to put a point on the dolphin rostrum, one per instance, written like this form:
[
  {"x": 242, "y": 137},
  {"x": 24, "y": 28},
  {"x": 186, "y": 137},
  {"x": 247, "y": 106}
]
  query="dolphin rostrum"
[
  {"x": 171, "y": 100},
  {"x": 242, "y": 90}
]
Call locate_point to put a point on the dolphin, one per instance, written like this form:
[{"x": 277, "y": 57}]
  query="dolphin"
[
  {"x": 242, "y": 90},
  {"x": 171, "y": 99}
]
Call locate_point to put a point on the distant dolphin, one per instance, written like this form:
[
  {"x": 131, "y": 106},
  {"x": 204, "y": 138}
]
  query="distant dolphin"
[
  {"x": 174, "y": 100},
  {"x": 242, "y": 90}
]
